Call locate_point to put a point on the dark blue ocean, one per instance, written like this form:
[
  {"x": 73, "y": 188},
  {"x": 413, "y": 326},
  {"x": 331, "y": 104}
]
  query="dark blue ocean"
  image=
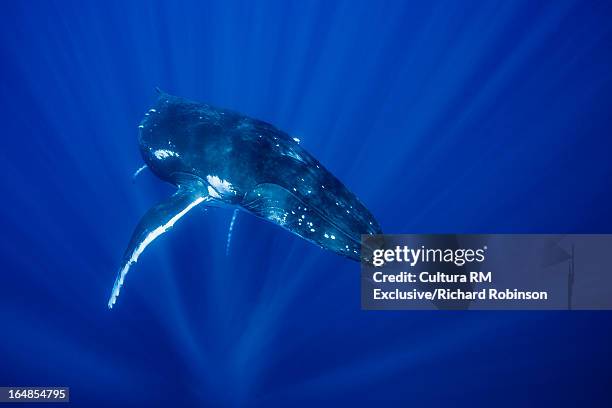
[{"x": 450, "y": 116}]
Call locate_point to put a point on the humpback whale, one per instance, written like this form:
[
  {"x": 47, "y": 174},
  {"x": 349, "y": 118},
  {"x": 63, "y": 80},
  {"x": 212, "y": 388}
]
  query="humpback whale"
[{"x": 217, "y": 157}]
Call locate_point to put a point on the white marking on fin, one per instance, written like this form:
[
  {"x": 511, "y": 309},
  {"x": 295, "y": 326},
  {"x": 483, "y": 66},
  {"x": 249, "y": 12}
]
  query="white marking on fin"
[
  {"x": 229, "y": 231},
  {"x": 151, "y": 236},
  {"x": 218, "y": 188},
  {"x": 212, "y": 192}
]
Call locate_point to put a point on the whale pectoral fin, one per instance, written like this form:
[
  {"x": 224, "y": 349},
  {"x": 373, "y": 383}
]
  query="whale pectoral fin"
[
  {"x": 282, "y": 207},
  {"x": 229, "y": 231},
  {"x": 155, "y": 222},
  {"x": 137, "y": 172}
]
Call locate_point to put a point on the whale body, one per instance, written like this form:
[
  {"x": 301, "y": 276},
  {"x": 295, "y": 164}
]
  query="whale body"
[{"x": 218, "y": 157}]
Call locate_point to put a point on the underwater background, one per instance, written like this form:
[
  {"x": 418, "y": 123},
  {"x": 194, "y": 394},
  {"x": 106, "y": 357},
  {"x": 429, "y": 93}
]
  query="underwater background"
[{"x": 448, "y": 116}]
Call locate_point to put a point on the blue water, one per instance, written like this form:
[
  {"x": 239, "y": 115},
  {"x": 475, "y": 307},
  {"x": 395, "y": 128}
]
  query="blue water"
[{"x": 453, "y": 116}]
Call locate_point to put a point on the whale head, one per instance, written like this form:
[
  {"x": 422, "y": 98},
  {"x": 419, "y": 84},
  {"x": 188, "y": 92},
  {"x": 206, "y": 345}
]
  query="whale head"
[{"x": 161, "y": 139}]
